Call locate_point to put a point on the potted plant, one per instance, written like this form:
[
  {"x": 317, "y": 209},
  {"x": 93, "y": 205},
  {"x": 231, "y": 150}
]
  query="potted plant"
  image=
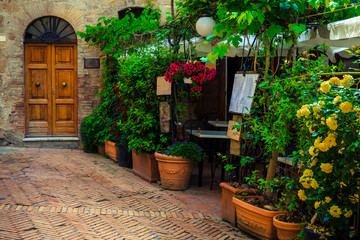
[
  {"x": 330, "y": 157},
  {"x": 176, "y": 163},
  {"x": 90, "y": 128}
]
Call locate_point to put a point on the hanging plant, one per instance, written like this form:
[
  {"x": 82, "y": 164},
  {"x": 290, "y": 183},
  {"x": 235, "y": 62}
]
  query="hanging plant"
[{"x": 196, "y": 71}]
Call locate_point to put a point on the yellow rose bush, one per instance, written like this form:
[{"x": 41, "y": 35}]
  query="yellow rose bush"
[{"x": 330, "y": 145}]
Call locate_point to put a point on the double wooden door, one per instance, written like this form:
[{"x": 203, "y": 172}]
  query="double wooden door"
[{"x": 50, "y": 89}]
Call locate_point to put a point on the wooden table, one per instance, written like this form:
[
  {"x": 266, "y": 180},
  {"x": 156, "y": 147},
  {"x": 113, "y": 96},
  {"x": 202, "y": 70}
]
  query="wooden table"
[
  {"x": 224, "y": 124},
  {"x": 208, "y": 135}
]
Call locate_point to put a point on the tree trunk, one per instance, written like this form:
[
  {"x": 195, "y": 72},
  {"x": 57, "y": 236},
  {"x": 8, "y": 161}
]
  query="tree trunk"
[{"x": 272, "y": 169}]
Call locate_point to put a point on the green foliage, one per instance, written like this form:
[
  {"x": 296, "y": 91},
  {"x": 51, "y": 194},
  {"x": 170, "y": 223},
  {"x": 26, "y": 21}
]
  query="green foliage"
[
  {"x": 89, "y": 129},
  {"x": 189, "y": 150},
  {"x": 138, "y": 88}
]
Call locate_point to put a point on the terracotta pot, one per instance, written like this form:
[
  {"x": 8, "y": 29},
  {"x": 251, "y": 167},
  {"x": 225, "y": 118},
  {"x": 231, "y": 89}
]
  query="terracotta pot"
[
  {"x": 227, "y": 205},
  {"x": 101, "y": 148},
  {"x": 285, "y": 230},
  {"x": 175, "y": 172},
  {"x": 110, "y": 149},
  {"x": 145, "y": 165},
  {"x": 254, "y": 220}
]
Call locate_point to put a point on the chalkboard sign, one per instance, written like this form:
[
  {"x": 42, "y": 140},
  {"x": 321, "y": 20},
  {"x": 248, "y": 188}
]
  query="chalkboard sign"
[{"x": 242, "y": 93}]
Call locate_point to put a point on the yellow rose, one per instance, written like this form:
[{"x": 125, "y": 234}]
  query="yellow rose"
[
  {"x": 308, "y": 173},
  {"x": 335, "y": 211},
  {"x": 298, "y": 113},
  {"x": 352, "y": 172},
  {"x": 313, "y": 162},
  {"x": 325, "y": 87},
  {"x": 341, "y": 150},
  {"x": 301, "y": 194},
  {"x": 323, "y": 147},
  {"x": 321, "y": 103},
  {"x": 323, "y": 121},
  {"x": 334, "y": 81},
  {"x": 316, "y": 204},
  {"x": 305, "y": 112},
  {"x": 326, "y": 167},
  {"x": 336, "y": 99},
  {"x": 354, "y": 199},
  {"x": 318, "y": 140},
  {"x": 311, "y": 130},
  {"x": 348, "y": 213},
  {"x": 316, "y": 109},
  {"x": 331, "y": 122},
  {"x": 312, "y": 151},
  {"x": 305, "y": 181},
  {"x": 346, "y": 107},
  {"x": 314, "y": 184},
  {"x": 327, "y": 199},
  {"x": 330, "y": 140},
  {"x": 347, "y": 81}
]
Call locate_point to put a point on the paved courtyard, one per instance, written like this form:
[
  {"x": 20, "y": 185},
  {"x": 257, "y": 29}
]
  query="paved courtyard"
[{"x": 69, "y": 194}]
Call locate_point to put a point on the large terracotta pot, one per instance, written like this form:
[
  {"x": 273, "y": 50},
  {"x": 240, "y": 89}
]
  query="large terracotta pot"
[
  {"x": 227, "y": 205},
  {"x": 145, "y": 165},
  {"x": 254, "y": 220},
  {"x": 175, "y": 172},
  {"x": 285, "y": 230}
]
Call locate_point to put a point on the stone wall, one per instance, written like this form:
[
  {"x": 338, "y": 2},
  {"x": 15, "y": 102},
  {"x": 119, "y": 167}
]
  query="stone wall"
[{"x": 15, "y": 16}]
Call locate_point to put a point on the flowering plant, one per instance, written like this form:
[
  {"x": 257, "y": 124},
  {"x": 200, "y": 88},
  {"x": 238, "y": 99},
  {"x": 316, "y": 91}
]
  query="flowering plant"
[
  {"x": 197, "y": 72},
  {"x": 330, "y": 159},
  {"x": 186, "y": 149}
]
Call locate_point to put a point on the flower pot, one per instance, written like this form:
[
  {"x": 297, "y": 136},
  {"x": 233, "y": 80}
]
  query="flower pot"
[
  {"x": 175, "y": 172},
  {"x": 227, "y": 205},
  {"x": 285, "y": 230},
  {"x": 123, "y": 156},
  {"x": 254, "y": 220},
  {"x": 310, "y": 235},
  {"x": 145, "y": 166},
  {"x": 101, "y": 148},
  {"x": 110, "y": 149}
]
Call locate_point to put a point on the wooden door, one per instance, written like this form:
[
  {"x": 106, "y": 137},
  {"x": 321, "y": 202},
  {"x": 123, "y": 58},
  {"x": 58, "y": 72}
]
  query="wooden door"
[{"x": 50, "y": 89}]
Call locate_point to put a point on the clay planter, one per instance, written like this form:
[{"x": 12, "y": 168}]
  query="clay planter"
[
  {"x": 227, "y": 205},
  {"x": 145, "y": 165},
  {"x": 101, "y": 148},
  {"x": 175, "y": 172},
  {"x": 254, "y": 220},
  {"x": 285, "y": 230},
  {"x": 110, "y": 149}
]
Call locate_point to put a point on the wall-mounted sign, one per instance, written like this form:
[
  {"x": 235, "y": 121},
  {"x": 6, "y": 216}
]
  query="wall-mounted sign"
[
  {"x": 91, "y": 63},
  {"x": 163, "y": 87}
]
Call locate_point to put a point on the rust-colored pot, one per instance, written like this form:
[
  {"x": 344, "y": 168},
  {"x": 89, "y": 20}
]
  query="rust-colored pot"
[
  {"x": 254, "y": 220},
  {"x": 101, "y": 148},
  {"x": 145, "y": 165},
  {"x": 110, "y": 149},
  {"x": 175, "y": 172},
  {"x": 285, "y": 230},
  {"x": 227, "y": 205}
]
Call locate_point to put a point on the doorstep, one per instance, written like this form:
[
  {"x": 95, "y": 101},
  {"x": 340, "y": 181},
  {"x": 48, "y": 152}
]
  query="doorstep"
[{"x": 50, "y": 139}]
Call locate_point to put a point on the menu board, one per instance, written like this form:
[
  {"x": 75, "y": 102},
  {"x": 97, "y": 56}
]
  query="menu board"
[{"x": 242, "y": 93}]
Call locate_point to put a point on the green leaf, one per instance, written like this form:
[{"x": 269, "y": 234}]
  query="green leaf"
[
  {"x": 273, "y": 30},
  {"x": 297, "y": 28},
  {"x": 212, "y": 57}
]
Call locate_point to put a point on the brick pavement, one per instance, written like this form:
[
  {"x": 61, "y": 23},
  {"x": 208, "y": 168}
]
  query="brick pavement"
[{"x": 68, "y": 194}]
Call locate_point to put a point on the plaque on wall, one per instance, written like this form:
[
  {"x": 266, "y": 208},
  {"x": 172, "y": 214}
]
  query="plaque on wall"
[
  {"x": 163, "y": 87},
  {"x": 91, "y": 63}
]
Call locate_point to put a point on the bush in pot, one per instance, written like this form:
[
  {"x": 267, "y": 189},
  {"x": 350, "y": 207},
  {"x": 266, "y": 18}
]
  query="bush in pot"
[
  {"x": 176, "y": 162},
  {"x": 330, "y": 156}
]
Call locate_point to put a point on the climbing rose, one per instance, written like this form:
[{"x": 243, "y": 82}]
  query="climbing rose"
[
  {"x": 345, "y": 107},
  {"x": 335, "y": 211},
  {"x": 325, "y": 87},
  {"x": 326, "y": 167}
]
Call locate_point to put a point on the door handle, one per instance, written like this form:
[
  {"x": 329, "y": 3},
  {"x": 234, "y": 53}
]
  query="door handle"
[
  {"x": 64, "y": 84},
  {"x": 37, "y": 84}
]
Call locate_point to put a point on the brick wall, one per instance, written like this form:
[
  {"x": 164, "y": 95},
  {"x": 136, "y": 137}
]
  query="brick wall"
[{"x": 15, "y": 16}]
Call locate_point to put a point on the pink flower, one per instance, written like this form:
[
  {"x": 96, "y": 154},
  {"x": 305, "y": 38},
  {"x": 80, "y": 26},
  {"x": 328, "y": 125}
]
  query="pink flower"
[
  {"x": 198, "y": 64},
  {"x": 192, "y": 89},
  {"x": 207, "y": 70},
  {"x": 197, "y": 88},
  {"x": 202, "y": 66},
  {"x": 208, "y": 77},
  {"x": 191, "y": 65},
  {"x": 172, "y": 73},
  {"x": 189, "y": 72}
]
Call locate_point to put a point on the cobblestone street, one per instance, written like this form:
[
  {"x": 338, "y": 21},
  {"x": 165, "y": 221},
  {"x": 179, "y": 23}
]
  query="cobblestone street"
[{"x": 69, "y": 194}]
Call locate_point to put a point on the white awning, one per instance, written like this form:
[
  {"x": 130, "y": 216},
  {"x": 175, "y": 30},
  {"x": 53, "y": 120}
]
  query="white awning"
[{"x": 344, "y": 29}]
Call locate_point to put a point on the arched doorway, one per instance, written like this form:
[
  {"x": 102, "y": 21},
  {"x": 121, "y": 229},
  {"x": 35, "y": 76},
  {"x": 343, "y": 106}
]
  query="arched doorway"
[{"x": 50, "y": 78}]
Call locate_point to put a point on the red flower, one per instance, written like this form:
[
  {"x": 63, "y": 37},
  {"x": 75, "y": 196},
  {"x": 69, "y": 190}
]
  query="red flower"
[
  {"x": 117, "y": 109},
  {"x": 197, "y": 88},
  {"x": 191, "y": 65},
  {"x": 121, "y": 99},
  {"x": 123, "y": 108},
  {"x": 198, "y": 64},
  {"x": 192, "y": 89},
  {"x": 202, "y": 66},
  {"x": 189, "y": 72},
  {"x": 114, "y": 124},
  {"x": 116, "y": 136}
]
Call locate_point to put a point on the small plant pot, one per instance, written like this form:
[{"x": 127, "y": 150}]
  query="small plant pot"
[
  {"x": 285, "y": 230},
  {"x": 175, "y": 172},
  {"x": 123, "y": 156},
  {"x": 101, "y": 148},
  {"x": 310, "y": 235},
  {"x": 227, "y": 205},
  {"x": 145, "y": 166},
  {"x": 256, "y": 221}
]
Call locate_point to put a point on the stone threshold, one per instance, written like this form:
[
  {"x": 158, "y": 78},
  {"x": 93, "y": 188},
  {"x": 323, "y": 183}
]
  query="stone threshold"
[{"x": 50, "y": 139}]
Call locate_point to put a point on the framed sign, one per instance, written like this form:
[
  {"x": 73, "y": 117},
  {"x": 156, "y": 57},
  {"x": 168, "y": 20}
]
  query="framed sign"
[
  {"x": 242, "y": 93},
  {"x": 163, "y": 87},
  {"x": 91, "y": 63}
]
